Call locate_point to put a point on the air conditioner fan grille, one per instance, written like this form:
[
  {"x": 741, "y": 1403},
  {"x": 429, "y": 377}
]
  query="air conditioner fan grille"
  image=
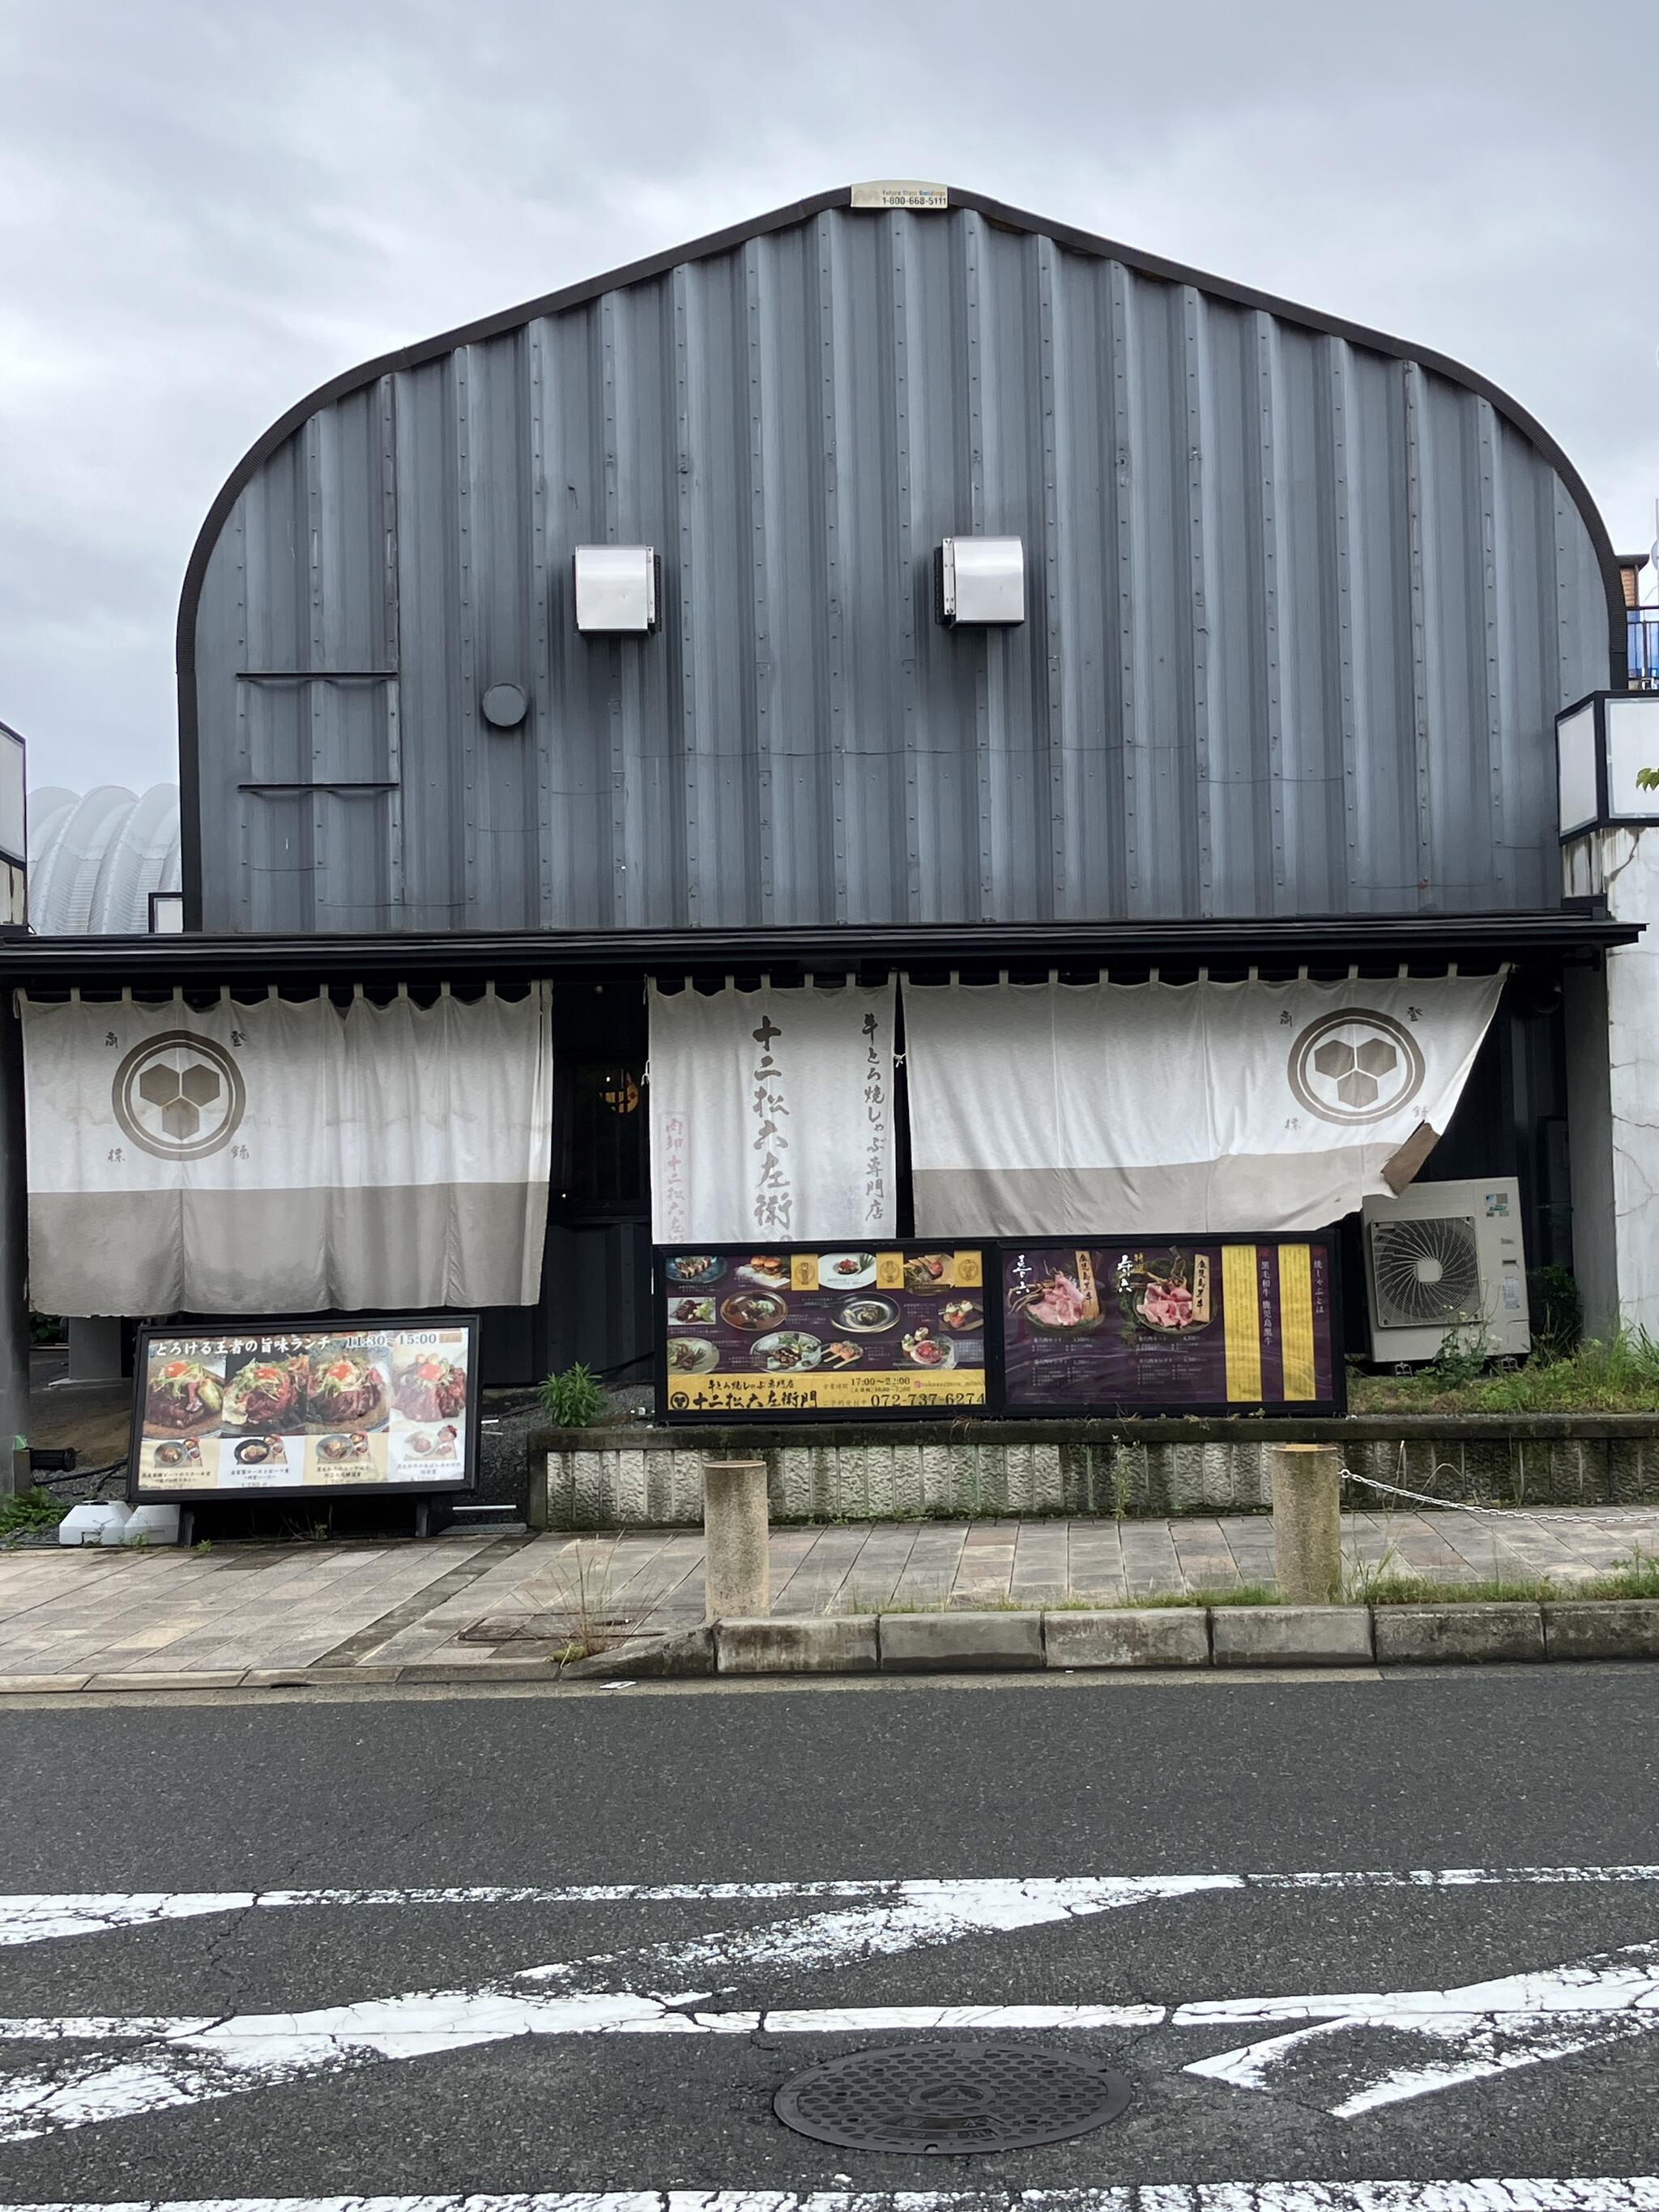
[{"x": 1426, "y": 1273}]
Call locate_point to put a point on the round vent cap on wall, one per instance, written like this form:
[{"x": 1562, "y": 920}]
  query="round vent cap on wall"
[{"x": 505, "y": 706}]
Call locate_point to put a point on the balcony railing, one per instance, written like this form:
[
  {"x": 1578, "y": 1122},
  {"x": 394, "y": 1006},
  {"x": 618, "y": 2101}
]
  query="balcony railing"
[{"x": 1642, "y": 647}]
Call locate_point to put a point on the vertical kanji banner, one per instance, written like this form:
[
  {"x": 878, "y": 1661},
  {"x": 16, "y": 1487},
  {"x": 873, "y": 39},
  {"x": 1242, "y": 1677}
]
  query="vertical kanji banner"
[{"x": 772, "y": 1115}]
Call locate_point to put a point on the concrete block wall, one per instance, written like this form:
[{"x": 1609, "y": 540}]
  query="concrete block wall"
[{"x": 639, "y": 1478}]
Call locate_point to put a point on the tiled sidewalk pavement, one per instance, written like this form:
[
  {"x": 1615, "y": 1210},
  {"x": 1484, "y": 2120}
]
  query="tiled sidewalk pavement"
[{"x": 81, "y": 1619}]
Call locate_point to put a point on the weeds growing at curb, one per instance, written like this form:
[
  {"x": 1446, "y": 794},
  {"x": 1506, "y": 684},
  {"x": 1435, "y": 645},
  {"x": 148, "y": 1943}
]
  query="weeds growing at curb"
[
  {"x": 1362, "y": 1577},
  {"x": 583, "y": 1594},
  {"x": 858, "y": 1605},
  {"x": 1238, "y": 1594},
  {"x": 1423, "y": 1589},
  {"x": 1635, "y": 1577}
]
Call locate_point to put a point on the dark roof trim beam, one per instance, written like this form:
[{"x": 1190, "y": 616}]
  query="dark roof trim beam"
[{"x": 1333, "y": 942}]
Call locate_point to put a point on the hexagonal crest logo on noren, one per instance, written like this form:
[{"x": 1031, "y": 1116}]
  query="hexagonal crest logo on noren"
[
  {"x": 1355, "y": 1066},
  {"x": 179, "y": 1096}
]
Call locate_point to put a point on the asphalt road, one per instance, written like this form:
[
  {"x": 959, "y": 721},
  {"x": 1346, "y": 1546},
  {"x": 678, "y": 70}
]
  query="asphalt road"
[{"x": 1059, "y": 1780}]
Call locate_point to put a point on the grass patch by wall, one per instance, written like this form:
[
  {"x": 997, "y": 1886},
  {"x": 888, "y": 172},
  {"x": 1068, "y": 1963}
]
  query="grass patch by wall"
[{"x": 1621, "y": 1376}]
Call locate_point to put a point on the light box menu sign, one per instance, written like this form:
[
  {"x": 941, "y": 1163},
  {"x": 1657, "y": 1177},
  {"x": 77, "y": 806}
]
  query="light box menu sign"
[
  {"x": 290, "y": 1408},
  {"x": 1177, "y": 1327},
  {"x": 793, "y": 1332}
]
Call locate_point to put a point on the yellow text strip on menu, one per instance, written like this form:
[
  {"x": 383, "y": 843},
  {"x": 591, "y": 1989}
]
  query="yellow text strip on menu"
[
  {"x": 1242, "y": 1323},
  {"x": 812, "y": 1394},
  {"x": 1296, "y": 1320}
]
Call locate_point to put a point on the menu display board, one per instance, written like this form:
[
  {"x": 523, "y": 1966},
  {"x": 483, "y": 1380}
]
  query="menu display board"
[
  {"x": 796, "y": 1332},
  {"x": 293, "y": 1409},
  {"x": 1181, "y": 1326}
]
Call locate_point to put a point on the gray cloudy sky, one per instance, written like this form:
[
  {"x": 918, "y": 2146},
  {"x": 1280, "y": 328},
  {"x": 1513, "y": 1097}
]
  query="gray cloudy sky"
[{"x": 208, "y": 206}]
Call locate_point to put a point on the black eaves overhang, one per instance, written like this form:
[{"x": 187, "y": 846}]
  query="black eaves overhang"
[{"x": 101, "y": 966}]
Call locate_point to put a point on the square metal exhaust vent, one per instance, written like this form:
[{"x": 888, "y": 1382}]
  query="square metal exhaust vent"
[
  {"x": 980, "y": 580},
  {"x": 617, "y": 589}
]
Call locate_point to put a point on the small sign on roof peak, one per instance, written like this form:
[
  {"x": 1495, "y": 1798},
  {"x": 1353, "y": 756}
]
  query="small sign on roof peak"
[{"x": 900, "y": 192}]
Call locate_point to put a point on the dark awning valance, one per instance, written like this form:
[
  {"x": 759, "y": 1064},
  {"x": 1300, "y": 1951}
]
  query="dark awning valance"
[{"x": 1224, "y": 944}]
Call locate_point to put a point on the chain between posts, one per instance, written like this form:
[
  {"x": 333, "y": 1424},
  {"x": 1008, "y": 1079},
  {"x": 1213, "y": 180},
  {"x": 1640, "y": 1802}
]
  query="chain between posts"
[{"x": 1458, "y": 1505}]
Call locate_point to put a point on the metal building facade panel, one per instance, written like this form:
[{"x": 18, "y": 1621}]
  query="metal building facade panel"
[{"x": 1300, "y": 610}]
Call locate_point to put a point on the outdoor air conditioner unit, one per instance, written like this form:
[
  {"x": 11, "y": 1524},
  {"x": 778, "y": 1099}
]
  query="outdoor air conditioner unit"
[{"x": 1443, "y": 1256}]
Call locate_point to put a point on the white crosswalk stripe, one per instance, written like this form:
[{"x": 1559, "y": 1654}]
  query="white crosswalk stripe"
[{"x": 118, "y": 2067}]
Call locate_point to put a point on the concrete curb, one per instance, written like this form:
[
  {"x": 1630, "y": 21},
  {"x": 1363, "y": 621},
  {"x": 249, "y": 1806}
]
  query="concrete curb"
[
  {"x": 1441, "y": 1635},
  {"x": 1291, "y": 1635},
  {"x": 682, "y": 1651},
  {"x": 1607, "y": 1629},
  {"x": 836, "y": 1644},
  {"x": 1124, "y": 1639},
  {"x": 958, "y": 1643},
  {"x": 1150, "y": 1636}
]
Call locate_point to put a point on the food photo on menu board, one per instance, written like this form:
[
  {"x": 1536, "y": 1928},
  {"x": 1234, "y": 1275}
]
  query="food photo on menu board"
[
  {"x": 301, "y": 1409},
  {"x": 836, "y": 1330},
  {"x": 1169, "y": 1327}
]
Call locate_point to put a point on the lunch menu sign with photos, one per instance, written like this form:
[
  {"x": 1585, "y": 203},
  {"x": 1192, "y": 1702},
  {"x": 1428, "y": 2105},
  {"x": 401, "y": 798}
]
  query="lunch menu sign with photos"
[
  {"x": 1161, "y": 1326},
  {"x": 792, "y": 1332},
  {"x": 295, "y": 1409}
]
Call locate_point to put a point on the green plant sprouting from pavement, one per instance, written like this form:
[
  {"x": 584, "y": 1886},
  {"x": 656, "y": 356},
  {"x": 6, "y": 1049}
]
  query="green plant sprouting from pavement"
[
  {"x": 1361, "y": 1577},
  {"x": 582, "y": 1597},
  {"x": 31, "y": 1513},
  {"x": 576, "y": 1398}
]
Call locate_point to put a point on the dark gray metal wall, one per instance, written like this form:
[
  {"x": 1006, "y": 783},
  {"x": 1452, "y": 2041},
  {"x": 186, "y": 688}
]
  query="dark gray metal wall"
[{"x": 1301, "y": 611}]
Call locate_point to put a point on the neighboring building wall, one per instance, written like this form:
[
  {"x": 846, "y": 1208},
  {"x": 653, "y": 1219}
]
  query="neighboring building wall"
[
  {"x": 94, "y": 861},
  {"x": 1591, "y": 1148},
  {"x": 1612, "y": 1047},
  {"x": 1300, "y": 611}
]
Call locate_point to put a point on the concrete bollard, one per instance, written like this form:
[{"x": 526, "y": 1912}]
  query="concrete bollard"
[
  {"x": 1307, "y": 1502},
  {"x": 737, "y": 1575}
]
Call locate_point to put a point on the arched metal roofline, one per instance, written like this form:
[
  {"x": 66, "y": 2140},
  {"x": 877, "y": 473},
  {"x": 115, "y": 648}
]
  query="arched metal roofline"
[{"x": 723, "y": 241}]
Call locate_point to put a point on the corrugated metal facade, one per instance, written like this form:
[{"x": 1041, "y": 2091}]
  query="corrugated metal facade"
[{"x": 1301, "y": 611}]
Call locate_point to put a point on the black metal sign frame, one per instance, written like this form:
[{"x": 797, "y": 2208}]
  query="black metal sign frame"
[
  {"x": 731, "y": 1281},
  {"x": 1331, "y": 1407},
  {"x": 280, "y": 1333},
  {"x": 995, "y": 1404}
]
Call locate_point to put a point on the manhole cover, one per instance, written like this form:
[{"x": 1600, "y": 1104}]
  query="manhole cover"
[{"x": 950, "y": 2099}]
